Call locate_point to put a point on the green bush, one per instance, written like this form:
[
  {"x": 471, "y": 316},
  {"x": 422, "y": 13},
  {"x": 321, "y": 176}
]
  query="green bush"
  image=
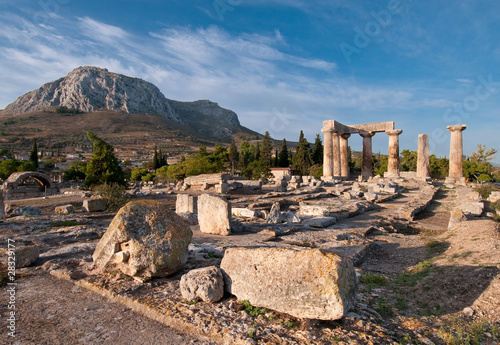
[
  {"x": 484, "y": 178},
  {"x": 114, "y": 194}
]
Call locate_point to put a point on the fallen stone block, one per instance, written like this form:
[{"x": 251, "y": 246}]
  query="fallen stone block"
[
  {"x": 214, "y": 215},
  {"x": 205, "y": 284},
  {"x": 494, "y": 197},
  {"x": 290, "y": 218},
  {"x": 94, "y": 205},
  {"x": 305, "y": 283},
  {"x": 320, "y": 222},
  {"x": 26, "y": 256},
  {"x": 244, "y": 212},
  {"x": 145, "y": 239},
  {"x": 65, "y": 209},
  {"x": 22, "y": 211},
  {"x": 473, "y": 208},
  {"x": 371, "y": 197}
]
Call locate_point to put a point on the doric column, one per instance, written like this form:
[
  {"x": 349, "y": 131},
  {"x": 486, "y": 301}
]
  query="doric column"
[
  {"x": 328, "y": 153},
  {"x": 336, "y": 154},
  {"x": 423, "y": 168},
  {"x": 393, "y": 155},
  {"x": 367, "y": 166},
  {"x": 456, "y": 154},
  {"x": 344, "y": 155}
]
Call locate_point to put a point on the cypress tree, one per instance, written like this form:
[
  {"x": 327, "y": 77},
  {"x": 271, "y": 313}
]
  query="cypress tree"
[
  {"x": 283, "y": 155},
  {"x": 156, "y": 162},
  {"x": 34, "y": 154},
  {"x": 317, "y": 151},
  {"x": 302, "y": 158},
  {"x": 276, "y": 158},
  {"x": 257, "y": 151},
  {"x": 233, "y": 156},
  {"x": 266, "y": 150}
]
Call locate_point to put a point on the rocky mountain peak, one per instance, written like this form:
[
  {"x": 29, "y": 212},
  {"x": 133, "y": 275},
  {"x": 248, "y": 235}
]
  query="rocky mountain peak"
[{"x": 90, "y": 88}]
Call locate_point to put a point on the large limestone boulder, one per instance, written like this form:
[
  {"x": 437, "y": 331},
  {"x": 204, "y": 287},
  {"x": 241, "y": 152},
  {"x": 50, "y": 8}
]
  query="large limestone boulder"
[
  {"x": 303, "y": 283},
  {"x": 473, "y": 208},
  {"x": 145, "y": 239},
  {"x": 214, "y": 215},
  {"x": 206, "y": 284}
]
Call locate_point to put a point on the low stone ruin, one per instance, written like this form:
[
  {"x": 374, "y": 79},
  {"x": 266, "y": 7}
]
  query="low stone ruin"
[{"x": 145, "y": 239}]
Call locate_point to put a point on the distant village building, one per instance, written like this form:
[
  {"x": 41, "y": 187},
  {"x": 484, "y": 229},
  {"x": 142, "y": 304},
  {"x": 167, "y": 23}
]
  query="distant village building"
[
  {"x": 21, "y": 157},
  {"x": 3, "y": 158}
]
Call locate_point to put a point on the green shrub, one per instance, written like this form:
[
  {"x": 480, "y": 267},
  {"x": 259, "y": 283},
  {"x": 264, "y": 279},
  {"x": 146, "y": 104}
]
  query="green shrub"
[
  {"x": 114, "y": 194},
  {"x": 484, "y": 178}
]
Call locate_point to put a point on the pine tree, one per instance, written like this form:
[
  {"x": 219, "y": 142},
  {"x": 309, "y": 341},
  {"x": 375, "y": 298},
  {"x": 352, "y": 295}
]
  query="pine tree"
[
  {"x": 34, "y": 154},
  {"x": 283, "y": 155},
  {"x": 317, "y": 151},
  {"x": 103, "y": 167},
  {"x": 302, "y": 158},
  {"x": 266, "y": 150}
]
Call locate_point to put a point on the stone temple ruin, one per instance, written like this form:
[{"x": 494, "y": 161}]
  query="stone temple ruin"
[
  {"x": 28, "y": 184},
  {"x": 335, "y": 161}
]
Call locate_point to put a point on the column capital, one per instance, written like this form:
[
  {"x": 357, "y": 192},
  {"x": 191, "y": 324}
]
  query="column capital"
[
  {"x": 456, "y": 128},
  {"x": 327, "y": 130},
  {"x": 367, "y": 134},
  {"x": 394, "y": 132},
  {"x": 346, "y": 135}
]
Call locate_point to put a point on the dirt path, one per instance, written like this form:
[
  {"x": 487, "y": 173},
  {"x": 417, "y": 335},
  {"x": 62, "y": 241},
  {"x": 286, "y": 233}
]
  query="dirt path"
[{"x": 54, "y": 311}]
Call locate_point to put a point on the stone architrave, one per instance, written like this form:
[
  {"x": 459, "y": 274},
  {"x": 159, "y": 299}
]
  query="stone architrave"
[
  {"x": 367, "y": 164},
  {"x": 456, "y": 155},
  {"x": 308, "y": 283},
  {"x": 336, "y": 154},
  {"x": 344, "y": 155},
  {"x": 145, "y": 239},
  {"x": 423, "y": 166},
  {"x": 214, "y": 215},
  {"x": 328, "y": 153},
  {"x": 393, "y": 155}
]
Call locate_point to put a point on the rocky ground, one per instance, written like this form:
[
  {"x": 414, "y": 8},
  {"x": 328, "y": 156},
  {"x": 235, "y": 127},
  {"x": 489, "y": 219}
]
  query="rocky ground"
[{"x": 419, "y": 281}]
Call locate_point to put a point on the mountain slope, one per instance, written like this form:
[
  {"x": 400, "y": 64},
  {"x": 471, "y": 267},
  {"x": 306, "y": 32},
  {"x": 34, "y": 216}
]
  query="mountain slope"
[{"x": 91, "y": 89}]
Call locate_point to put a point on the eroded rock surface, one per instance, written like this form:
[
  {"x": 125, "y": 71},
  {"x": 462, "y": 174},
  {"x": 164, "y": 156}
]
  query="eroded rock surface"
[
  {"x": 214, "y": 215},
  {"x": 205, "y": 284}
]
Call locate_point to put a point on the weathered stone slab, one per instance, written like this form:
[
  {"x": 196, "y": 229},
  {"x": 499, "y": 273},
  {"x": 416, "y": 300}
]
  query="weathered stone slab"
[
  {"x": 145, "y": 239},
  {"x": 306, "y": 283},
  {"x": 214, "y": 215},
  {"x": 205, "y": 284},
  {"x": 290, "y": 218},
  {"x": 22, "y": 211},
  {"x": 94, "y": 205},
  {"x": 456, "y": 217},
  {"x": 473, "y": 208},
  {"x": 186, "y": 203},
  {"x": 494, "y": 197},
  {"x": 320, "y": 222},
  {"x": 65, "y": 209}
]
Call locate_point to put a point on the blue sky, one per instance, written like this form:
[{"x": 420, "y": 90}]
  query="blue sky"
[{"x": 281, "y": 65}]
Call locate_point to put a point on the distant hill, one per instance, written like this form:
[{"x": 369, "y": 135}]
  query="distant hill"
[{"x": 130, "y": 112}]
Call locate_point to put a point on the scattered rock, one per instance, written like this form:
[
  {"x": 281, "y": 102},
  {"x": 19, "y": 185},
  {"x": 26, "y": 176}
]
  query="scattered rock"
[
  {"x": 214, "y": 215},
  {"x": 145, "y": 239},
  {"x": 320, "y": 222},
  {"x": 94, "y": 205},
  {"x": 306, "y": 283},
  {"x": 468, "y": 312},
  {"x": 290, "y": 218},
  {"x": 494, "y": 197},
  {"x": 22, "y": 211},
  {"x": 371, "y": 197},
  {"x": 274, "y": 216},
  {"x": 186, "y": 204},
  {"x": 25, "y": 255},
  {"x": 66, "y": 209},
  {"x": 206, "y": 284}
]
